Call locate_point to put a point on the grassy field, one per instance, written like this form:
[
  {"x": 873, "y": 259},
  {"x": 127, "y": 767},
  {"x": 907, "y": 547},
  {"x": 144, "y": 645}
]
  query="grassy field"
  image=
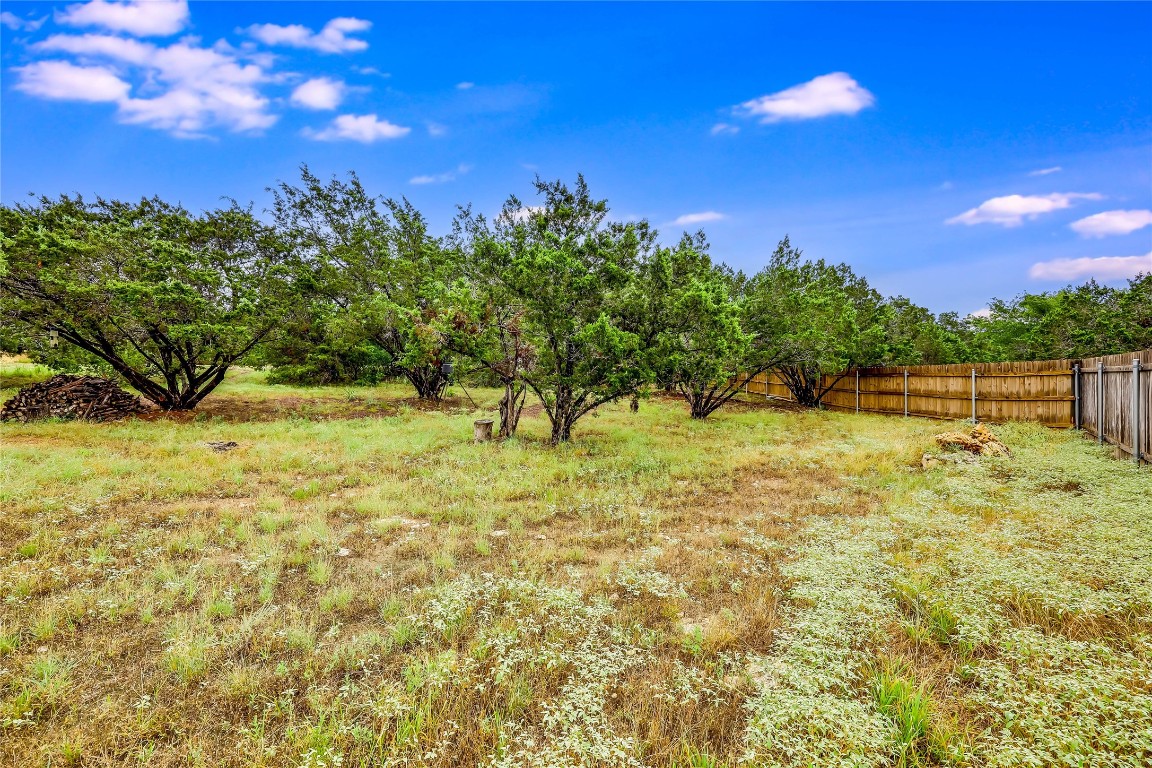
[{"x": 359, "y": 584}]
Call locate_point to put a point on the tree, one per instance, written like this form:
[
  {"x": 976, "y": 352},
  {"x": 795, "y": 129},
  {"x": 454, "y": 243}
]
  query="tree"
[
  {"x": 167, "y": 299},
  {"x": 375, "y": 273},
  {"x": 820, "y": 319},
  {"x": 1074, "y": 322},
  {"x": 568, "y": 273},
  {"x": 482, "y": 322},
  {"x": 694, "y": 321}
]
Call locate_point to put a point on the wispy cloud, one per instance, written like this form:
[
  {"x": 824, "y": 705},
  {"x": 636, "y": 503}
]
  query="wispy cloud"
[
  {"x": 319, "y": 93},
  {"x": 365, "y": 129},
  {"x": 832, "y": 94},
  {"x": 333, "y": 38},
  {"x": 1101, "y": 267},
  {"x": 1046, "y": 171},
  {"x": 724, "y": 129},
  {"x": 143, "y": 18},
  {"x": 436, "y": 130},
  {"x": 441, "y": 178},
  {"x": 465, "y": 85},
  {"x": 1012, "y": 210},
  {"x": 698, "y": 218},
  {"x": 1112, "y": 223},
  {"x": 12, "y": 21}
]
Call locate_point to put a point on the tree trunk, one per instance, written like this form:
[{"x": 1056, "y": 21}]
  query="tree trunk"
[
  {"x": 428, "y": 381},
  {"x": 510, "y": 406},
  {"x": 561, "y": 430},
  {"x": 634, "y": 406},
  {"x": 698, "y": 408},
  {"x": 563, "y": 415}
]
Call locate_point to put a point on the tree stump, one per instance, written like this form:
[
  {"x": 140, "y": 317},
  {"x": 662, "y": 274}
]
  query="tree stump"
[{"x": 482, "y": 428}]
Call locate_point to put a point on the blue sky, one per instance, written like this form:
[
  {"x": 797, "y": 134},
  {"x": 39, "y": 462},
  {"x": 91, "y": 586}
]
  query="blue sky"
[{"x": 948, "y": 152}]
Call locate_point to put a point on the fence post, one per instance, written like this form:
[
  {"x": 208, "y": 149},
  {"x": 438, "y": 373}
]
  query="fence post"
[
  {"x": 1136, "y": 411},
  {"x": 905, "y": 391},
  {"x": 1100, "y": 402},
  {"x": 973, "y": 395},
  {"x": 857, "y": 390},
  {"x": 1076, "y": 396}
]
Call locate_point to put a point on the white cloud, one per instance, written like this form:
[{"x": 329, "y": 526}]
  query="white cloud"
[
  {"x": 832, "y": 94},
  {"x": 12, "y": 21},
  {"x": 982, "y": 312},
  {"x": 319, "y": 93},
  {"x": 143, "y": 18},
  {"x": 465, "y": 86},
  {"x": 1046, "y": 171},
  {"x": 1102, "y": 267},
  {"x": 101, "y": 46},
  {"x": 333, "y": 38},
  {"x": 371, "y": 71},
  {"x": 1112, "y": 223},
  {"x": 945, "y": 186},
  {"x": 435, "y": 129},
  {"x": 724, "y": 129},
  {"x": 441, "y": 178},
  {"x": 1012, "y": 210},
  {"x": 698, "y": 218},
  {"x": 198, "y": 87},
  {"x": 363, "y": 128},
  {"x": 63, "y": 80}
]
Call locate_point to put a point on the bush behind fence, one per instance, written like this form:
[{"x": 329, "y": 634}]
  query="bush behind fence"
[{"x": 1111, "y": 390}]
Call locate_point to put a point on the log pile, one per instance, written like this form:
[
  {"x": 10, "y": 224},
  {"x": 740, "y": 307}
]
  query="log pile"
[{"x": 72, "y": 397}]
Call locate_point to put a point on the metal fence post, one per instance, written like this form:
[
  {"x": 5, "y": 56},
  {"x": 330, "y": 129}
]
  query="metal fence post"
[
  {"x": 905, "y": 391},
  {"x": 857, "y": 390},
  {"x": 1100, "y": 402},
  {"x": 973, "y": 395},
  {"x": 1076, "y": 396},
  {"x": 1136, "y": 411}
]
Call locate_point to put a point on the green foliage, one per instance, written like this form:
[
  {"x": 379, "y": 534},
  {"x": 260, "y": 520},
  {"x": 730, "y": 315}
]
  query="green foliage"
[
  {"x": 693, "y": 321},
  {"x": 374, "y": 276},
  {"x": 818, "y": 318},
  {"x": 1074, "y": 322},
  {"x": 166, "y": 299},
  {"x": 572, "y": 275}
]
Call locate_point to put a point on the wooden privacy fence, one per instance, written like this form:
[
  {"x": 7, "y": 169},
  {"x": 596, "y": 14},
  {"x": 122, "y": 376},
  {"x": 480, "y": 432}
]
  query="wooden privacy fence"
[
  {"x": 1115, "y": 391},
  {"x": 1115, "y": 401}
]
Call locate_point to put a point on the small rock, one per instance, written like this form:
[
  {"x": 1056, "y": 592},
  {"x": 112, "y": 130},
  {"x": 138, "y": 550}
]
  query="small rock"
[
  {"x": 498, "y": 534},
  {"x": 342, "y": 552}
]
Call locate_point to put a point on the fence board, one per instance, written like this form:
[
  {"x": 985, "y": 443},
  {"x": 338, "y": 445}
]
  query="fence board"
[{"x": 1042, "y": 391}]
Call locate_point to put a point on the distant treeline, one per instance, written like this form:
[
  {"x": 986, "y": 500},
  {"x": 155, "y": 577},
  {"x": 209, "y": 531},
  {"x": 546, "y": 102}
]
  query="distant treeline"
[{"x": 553, "y": 299}]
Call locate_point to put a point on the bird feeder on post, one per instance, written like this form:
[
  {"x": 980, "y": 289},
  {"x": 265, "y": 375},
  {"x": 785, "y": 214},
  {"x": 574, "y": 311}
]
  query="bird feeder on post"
[{"x": 53, "y": 338}]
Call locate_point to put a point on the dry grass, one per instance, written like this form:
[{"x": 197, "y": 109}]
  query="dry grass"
[{"x": 359, "y": 584}]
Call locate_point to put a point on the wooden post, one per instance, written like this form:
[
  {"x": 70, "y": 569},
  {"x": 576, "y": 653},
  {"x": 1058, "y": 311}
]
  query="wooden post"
[
  {"x": 1136, "y": 411},
  {"x": 1100, "y": 402},
  {"x": 905, "y": 391},
  {"x": 857, "y": 390},
  {"x": 482, "y": 429},
  {"x": 973, "y": 395},
  {"x": 1076, "y": 396}
]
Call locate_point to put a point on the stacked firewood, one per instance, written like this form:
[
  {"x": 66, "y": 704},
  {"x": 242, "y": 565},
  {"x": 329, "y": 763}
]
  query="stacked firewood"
[{"x": 72, "y": 397}]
